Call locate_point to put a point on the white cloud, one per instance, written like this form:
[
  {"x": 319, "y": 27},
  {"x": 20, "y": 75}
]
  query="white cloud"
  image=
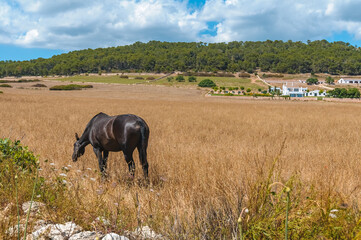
[{"x": 78, "y": 24}]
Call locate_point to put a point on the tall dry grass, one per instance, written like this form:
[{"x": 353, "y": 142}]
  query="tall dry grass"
[{"x": 208, "y": 159}]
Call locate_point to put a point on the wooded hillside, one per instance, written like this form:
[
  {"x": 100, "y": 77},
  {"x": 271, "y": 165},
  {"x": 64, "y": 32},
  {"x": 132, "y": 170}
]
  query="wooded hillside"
[{"x": 275, "y": 56}]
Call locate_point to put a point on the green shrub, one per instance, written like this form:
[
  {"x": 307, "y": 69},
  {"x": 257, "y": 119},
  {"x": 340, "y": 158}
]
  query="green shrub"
[
  {"x": 19, "y": 155},
  {"x": 180, "y": 78},
  {"x": 242, "y": 88},
  {"x": 150, "y": 78},
  {"x": 5, "y": 85},
  {"x": 311, "y": 81},
  {"x": 248, "y": 90},
  {"x": 1, "y": 91},
  {"x": 192, "y": 79},
  {"x": 330, "y": 80},
  {"x": 207, "y": 83},
  {"x": 124, "y": 76},
  {"x": 70, "y": 87},
  {"x": 244, "y": 75},
  {"x": 28, "y": 80},
  {"x": 345, "y": 93},
  {"x": 39, "y": 85},
  {"x": 169, "y": 79}
]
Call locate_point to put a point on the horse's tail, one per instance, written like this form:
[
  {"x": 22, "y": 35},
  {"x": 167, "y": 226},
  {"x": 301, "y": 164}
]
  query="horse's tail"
[{"x": 144, "y": 132}]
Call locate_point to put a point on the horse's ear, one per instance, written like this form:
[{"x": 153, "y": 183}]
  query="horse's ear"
[{"x": 76, "y": 136}]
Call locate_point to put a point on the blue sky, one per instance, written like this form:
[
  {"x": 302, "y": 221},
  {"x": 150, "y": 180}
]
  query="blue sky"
[{"x": 39, "y": 28}]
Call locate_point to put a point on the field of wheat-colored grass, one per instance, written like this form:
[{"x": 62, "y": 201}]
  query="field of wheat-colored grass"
[{"x": 208, "y": 158}]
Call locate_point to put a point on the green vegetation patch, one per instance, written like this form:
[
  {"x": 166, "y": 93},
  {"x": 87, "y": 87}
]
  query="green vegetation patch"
[
  {"x": 39, "y": 85},
  {"x": 5, "y": 85},
  {"x": 19, "y": 155},
  {"x": 70, "y": 87},
  {"x": 28, "y": 80},
  {"x": 108, "y": 79},
  {"x": 345, "y": 93},
  {"x": 207, "y": 83}
]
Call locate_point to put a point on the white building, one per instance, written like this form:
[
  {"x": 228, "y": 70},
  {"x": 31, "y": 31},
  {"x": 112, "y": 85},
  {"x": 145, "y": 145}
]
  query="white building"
[
  {"x": 349, "y": 81},
  {"x": 315, "y": 93},
  {"x": 293, "y": 91}
]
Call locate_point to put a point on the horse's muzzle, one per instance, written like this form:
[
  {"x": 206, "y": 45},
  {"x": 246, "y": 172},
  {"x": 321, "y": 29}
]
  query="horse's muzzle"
[{"x": 74, "y": 158}]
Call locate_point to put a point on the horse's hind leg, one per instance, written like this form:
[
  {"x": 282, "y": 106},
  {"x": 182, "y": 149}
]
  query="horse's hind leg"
[
  {"x": 105, "y": 159},
  {"x": 143, "y": 159},
  {"x": 129, "y": 159}
]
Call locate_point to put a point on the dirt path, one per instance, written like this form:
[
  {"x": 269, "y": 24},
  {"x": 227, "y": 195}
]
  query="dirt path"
[{"x": 264, "y": 81}]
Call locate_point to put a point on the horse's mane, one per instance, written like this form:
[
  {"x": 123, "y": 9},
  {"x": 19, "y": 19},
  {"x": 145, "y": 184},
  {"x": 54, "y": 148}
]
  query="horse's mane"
[{"x": 92, "y": 120}]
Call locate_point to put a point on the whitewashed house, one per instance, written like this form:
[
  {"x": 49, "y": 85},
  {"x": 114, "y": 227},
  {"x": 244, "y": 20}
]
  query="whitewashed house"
[
  {"x": 349, "y": 81},
  {"x": 293, "y": 91},
  {"x": 315, "y": 93}
]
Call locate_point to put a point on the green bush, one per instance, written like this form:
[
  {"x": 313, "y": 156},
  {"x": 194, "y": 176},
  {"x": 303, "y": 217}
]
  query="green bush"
[
  {"x": 180, "y": 78},
  {"x": 244, "y": 75},
  {"x": 5, "y": 85},
  {"x": 39, "y": 85},
  {"x": 124, "y": 76},
  {"x": 192, "y": 79},
  {"x": 311, "y": 81},
  {"x": 345, "y": 93},
  {"x": 19, "y": 155},
  {"x": 207, "y": 83},
  {"x": 248, "y": 90},
  {"x": 28, "y": 80},
  {"x": 70, "y": 87},
  {"x": 330, "y": 80},
  {"x": 1, "y": 91},
  {"x": 150, "y": 78}
]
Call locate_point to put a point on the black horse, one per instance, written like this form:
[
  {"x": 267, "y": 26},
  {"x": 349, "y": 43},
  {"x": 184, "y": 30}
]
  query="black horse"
[{"x": 113, "y": 134}]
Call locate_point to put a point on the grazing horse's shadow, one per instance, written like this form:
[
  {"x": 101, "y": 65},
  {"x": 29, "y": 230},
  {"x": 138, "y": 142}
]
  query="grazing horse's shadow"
[{"x": 113, "y": 134}]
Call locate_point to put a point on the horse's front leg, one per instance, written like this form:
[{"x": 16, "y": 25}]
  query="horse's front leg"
[{"x": 102, "y": 166}]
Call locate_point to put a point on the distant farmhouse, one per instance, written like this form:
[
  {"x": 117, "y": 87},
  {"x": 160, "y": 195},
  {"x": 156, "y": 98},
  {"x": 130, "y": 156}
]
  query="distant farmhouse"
[
  {"x": 349, "y": 81},
  {"x": 293, "y": 91},
  {"x": 301, "y": 92}
]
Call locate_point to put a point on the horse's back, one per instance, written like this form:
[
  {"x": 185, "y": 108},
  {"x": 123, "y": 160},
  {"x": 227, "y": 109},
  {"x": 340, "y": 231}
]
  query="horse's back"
[{"x": 117, "y": 133}]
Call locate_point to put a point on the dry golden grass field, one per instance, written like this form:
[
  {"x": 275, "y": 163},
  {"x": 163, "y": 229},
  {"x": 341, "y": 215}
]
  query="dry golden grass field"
[{"x": 209, "y": 159}]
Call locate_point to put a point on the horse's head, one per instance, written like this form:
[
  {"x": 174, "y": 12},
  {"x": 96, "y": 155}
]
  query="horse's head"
[{"x": 79, "y": 149}]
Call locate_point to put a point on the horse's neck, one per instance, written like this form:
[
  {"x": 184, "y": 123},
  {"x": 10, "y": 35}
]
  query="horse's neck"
[{"x": 84, "y": 139}]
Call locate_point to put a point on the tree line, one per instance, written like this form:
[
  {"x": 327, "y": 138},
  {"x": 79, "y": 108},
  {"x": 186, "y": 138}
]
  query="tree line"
[{"x": 274, "y": 56}]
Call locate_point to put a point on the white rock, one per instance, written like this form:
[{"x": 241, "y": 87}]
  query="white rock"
[
  {"x": 57, "y": 231},
  {"x": 147, "y": 233},
  {"x": 14, "y": 229},
  {"x": 103, "y": 220},
  {"x": 35, "y": 207},
  {"x": 114, "y": 236},
  {"x": 87, "y": 235}
]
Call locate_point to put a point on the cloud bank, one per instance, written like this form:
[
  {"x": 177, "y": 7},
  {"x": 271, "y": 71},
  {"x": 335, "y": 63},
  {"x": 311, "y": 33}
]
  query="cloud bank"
[{"x": 75, "y": 24}]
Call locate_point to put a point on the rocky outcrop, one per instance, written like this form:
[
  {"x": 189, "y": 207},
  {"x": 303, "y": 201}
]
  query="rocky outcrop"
[
  {"x": 113, "y": 236},
  {"x": 146, "y": 232},
  {"x": 56, "y": 231}
]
